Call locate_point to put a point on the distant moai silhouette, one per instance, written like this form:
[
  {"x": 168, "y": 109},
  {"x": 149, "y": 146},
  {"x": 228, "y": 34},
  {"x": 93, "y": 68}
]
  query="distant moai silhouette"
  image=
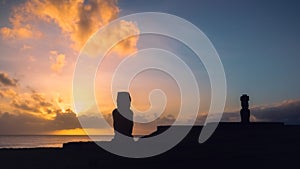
[{"x": 245, "y": 112}]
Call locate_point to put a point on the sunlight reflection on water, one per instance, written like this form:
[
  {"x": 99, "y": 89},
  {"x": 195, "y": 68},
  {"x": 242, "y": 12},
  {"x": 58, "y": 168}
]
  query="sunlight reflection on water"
[{"x": 35, "y": 141}]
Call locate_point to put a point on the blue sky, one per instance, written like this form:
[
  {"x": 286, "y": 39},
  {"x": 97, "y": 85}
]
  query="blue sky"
[{"x": 258, "y": 42}]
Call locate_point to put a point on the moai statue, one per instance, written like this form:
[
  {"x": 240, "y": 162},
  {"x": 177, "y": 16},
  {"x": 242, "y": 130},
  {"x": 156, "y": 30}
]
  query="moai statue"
[
  {"x": 245, "y": 112},
  {"x": 123, "y": 116}
]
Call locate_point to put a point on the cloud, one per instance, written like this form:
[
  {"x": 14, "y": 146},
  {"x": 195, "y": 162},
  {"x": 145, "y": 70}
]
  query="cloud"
[
  {"x": 166, "y": 120},
  {"x": 19, "y": 123},
  {"x": 21, "y": 20},
  {"x": 122, "y": 29},
  {"x": 31, "y": 58},
  {"x": 287, "y": 111},
  {"x": 108, "y": 38},
  {"x": 77, "y": 19},
  {"x": 7, "y": 93},
  {"x": 21, "y": 26},
  {"x": 28, "y": 102},
  {"x": 59, "y": 61},
  {"x": 29, "y": 113},
  {"x": 6, "y": 80},
  {"x": 26, "y": 47},
  {"x": 32, "y": 112},
  {"x": 64, "y": 120},
  {"x": 95, "y": 121},
  {"x": 17, "y": 32},
  {"x": 23, "y": 123},
  {"x": 34, "y": 103}
]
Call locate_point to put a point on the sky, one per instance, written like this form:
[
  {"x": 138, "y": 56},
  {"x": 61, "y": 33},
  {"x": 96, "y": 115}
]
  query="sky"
[{"x": 258, "y": 43}]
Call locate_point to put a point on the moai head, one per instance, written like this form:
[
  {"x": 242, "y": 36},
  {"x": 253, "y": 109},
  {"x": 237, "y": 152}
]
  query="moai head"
[
  {"x": 244, "y": 101},
  {"x": 123, "y": 100}
]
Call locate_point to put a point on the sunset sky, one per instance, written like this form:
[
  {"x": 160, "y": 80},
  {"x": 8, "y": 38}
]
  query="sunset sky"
[{"x": 258, "y": 43}]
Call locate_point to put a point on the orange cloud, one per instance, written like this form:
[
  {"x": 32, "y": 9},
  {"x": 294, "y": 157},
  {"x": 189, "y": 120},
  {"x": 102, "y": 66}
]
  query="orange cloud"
[
  {"x": 8, "y": 93},
  {"x": 16, "y": 33},
  {"x": 128, "y": 45},
  {"x": 59, "y": 61},
  {"x": 21, "y": 26},
  {"x": 34, "y": 103},
  {"x": 77, "y": 19},
  {"x": 100, "y": 42}
]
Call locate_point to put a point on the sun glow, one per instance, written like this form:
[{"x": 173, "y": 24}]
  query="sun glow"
[{"x": 80, "y": 131}]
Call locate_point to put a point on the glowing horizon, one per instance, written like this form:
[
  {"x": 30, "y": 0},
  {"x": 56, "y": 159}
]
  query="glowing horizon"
[{"x": 41, "y": 40}]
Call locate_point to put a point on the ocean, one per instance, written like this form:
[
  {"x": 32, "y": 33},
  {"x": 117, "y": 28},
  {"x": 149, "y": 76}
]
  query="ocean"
[{"x": 36, "y": 141}]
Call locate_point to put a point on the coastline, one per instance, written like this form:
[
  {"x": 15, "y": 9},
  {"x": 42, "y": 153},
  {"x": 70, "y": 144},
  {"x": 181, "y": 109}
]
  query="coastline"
[{"x": 232, "y": 145}]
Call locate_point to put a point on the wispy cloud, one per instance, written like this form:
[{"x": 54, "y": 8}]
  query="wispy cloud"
[{"x": 26, "y": 47}]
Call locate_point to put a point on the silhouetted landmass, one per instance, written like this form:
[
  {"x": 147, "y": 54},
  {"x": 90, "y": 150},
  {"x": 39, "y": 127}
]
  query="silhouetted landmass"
[{"x": 255, "y": 145}]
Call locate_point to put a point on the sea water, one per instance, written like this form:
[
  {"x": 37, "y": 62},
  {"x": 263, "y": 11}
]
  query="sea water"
[{"x": 36, "y": 141}]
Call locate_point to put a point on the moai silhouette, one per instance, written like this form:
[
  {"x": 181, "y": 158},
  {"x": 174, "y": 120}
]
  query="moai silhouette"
[
  {"x": 245, "y": 112},
  {"x": 123, "y": 116}
]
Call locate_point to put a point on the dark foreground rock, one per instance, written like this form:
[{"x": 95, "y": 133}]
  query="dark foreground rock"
[{"x": 259, "y": 145}]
